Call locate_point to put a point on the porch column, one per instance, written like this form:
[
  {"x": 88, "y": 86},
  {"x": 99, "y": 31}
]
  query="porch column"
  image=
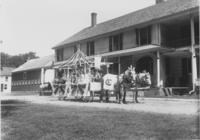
[
  {"x": 42, "y": 75},
  {"x": 159, "y": 34},
  {"x": 193, "y": 55},
  {"x": 119, "y": 66},
  {"x": 158, "y": 68},
  {"x": 107, "y": 68},
  {"x": 107, "y": 65}
]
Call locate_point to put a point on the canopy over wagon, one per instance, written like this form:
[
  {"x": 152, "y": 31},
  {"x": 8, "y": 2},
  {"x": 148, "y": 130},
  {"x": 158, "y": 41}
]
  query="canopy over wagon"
[
  {"x": 77, "y": 59},
  {"x": 79, "y": 71}
]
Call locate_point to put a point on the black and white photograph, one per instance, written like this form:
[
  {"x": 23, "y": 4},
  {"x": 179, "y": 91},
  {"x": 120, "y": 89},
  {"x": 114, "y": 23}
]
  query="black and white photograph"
[{"x": 99, "y": 70}]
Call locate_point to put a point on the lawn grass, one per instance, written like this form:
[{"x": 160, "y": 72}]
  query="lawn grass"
[{"x": 25, "y": 121}]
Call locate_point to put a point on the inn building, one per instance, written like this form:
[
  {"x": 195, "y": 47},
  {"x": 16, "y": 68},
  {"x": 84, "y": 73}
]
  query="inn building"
[{"x": 162, "y": 39}]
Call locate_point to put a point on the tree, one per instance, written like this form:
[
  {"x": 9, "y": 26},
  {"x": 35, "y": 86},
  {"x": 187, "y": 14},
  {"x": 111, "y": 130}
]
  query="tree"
[
  {"x": 4, "y": 59},
  {"x": 16, "y": 60}
]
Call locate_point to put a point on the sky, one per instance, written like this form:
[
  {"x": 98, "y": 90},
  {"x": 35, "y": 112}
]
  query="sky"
[{"x": 38, "y": 25}]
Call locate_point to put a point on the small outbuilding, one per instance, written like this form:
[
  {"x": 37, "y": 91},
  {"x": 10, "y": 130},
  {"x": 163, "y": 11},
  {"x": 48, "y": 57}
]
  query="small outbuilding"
[
  {"x": 5, "y": 79},
  {"x": 33, "y": 73}
]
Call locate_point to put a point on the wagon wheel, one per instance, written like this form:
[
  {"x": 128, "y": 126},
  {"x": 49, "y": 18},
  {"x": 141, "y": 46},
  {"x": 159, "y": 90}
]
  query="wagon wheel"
[
  {"x": 60, "y": 94},
  {"x": 91, "y": 97},
  {"x": 140, "y": 97},
  {"x": 136, "y": 96},
  {"x": 79, "y": 94},
  {"x": 67, "y": 92}
]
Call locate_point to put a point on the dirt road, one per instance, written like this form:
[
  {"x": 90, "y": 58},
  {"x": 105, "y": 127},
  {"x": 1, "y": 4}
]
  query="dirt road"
[{"x": 168, "y": 106}]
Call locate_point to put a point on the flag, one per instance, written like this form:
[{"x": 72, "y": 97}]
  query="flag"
[{"x": 97, "y": 62}]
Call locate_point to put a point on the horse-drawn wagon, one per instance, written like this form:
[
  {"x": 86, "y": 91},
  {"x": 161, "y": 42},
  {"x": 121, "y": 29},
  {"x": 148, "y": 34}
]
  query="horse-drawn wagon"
[{"x": 82, "y": 80}]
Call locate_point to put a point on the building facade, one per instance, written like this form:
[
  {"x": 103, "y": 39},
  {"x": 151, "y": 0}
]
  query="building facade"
[
  {"x": 5, "y": 79},
  {"x": 33, "y": 73},
  {"x": 162, "y": 39}
]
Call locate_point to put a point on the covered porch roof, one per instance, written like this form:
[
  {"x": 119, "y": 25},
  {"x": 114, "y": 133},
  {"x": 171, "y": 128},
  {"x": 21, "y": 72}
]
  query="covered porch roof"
[
  {"x": 136, "y": 50},
  {"x": 184, "y": 52},
  {"x": 132, "y": 51}
]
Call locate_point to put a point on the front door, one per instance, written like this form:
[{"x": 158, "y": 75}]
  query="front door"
[
  {"x": 145, "y": 63},
  {"x": 186, "y": 71}
]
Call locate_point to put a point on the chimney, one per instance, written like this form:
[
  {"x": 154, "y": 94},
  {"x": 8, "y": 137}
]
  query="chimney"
[
  {"x": 160, "y": 1},
  {"x": 93, "y": 19}
]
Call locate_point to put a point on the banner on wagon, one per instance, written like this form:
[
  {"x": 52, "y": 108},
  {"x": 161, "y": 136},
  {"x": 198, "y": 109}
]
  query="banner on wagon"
[
  {"x": 97, "y": 62},
  {"x": 95, "y": 86},
  {"x": 109, "y": 81}
]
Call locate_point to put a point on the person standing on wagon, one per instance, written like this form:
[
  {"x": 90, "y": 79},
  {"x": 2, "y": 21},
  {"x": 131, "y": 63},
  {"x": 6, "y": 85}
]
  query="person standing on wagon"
[{"x": 59, "y": 81}]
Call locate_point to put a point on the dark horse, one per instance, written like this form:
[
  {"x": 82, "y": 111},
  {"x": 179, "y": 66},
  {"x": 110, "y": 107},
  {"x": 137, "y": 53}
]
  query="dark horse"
[
  {"x": 126, "y": 81},
  {"x": 134, "y": 82}
]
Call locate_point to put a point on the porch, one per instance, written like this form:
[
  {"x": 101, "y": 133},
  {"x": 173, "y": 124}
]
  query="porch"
[
  {"x": 142, "y": 58},
  {"x": 172, "y": 62}
]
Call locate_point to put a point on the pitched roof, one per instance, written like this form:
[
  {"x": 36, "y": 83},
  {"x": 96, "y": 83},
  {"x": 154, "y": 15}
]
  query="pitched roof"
[
  {"x": 156, "y": 11},
  {"x": 6, "y": 71},
  {"x": 36, "y": 63}
]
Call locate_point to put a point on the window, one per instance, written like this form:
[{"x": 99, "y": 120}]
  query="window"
[
  {"x": 143, "y": 36},
  {"x": 24, "y": 75},
  {"x": 59, "y": 54},
  {"x": 6, "y": 78},
  {"x": 116, "y": 42},
  {"x": 5, "y": 86},
  {"x": 90, "y": 48},
  {"x": 75, "y": 49}
]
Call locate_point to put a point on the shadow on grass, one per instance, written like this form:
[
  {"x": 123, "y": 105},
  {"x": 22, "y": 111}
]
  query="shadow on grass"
[
  {"x": 9, "y": 106},
  {"x": 89, "y": 101}
]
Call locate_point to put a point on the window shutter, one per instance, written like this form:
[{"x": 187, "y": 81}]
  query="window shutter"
[
  {"x": 110, "y": 44},
  {"x": 121, "y": 41},
  {"x": 57, "y": 56},
  {"x": 92, "y": 48},
  {"x": 137, "y": 36},
  {"x": 62, "y": 54},
  {"x": 88, "y": 49},
  {"x": 149, "y": 35}
]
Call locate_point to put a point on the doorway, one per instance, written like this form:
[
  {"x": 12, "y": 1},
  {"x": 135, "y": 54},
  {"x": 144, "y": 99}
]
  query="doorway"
[
  {"x": 145, "y": 63},
  {"x": 178, "y": 70}
]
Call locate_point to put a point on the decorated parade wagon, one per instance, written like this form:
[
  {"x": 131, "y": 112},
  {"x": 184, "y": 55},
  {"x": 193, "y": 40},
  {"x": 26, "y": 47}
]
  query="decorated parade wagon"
[{"x": 81, "y": 77}]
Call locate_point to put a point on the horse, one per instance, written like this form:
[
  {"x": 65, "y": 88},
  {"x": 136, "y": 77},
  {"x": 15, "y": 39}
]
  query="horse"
[
  {"x": 125, "y": 82},
  {"x": 130, "y": 79}
]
